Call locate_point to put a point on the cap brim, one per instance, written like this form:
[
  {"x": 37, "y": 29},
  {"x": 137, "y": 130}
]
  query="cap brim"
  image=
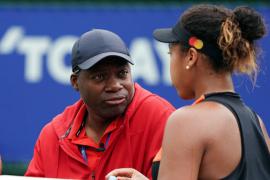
[
  {"x": 92, "y": 61},
  {"x": 165, "y": 35}
]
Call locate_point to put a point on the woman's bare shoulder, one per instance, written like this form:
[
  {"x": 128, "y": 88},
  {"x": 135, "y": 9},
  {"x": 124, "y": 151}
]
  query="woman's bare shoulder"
[
  {"x": 202, "y": 112},
  {"x": 200, "y": 119}
]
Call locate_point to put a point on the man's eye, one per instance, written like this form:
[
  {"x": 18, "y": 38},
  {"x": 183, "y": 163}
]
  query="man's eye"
[
  {"x": 123, "y": 73},
  {"x": 98, "y": 77}
]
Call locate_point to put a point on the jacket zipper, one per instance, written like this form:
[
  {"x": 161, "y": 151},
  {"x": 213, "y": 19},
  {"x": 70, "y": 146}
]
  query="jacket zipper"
[{"x": 93, "y": 175}]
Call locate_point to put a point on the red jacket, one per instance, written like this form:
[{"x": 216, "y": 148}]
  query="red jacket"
[{"x": 134, "y": 144}]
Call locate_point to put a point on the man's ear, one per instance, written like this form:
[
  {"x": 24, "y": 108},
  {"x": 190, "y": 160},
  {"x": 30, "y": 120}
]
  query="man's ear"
[
  {"x": 74, "y": 81},
  {"x": 192, "y": 57}
]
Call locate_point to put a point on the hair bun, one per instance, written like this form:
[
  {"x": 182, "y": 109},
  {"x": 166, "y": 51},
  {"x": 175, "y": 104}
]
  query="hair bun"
[{"x": 250, "y": 22}]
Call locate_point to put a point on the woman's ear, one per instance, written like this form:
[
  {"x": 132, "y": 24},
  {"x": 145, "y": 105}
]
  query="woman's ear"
[
  {"x": 191, "y": 58},
  {"x": 74, "y": 81}
]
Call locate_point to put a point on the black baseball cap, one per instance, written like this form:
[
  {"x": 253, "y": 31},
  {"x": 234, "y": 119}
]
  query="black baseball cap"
[
  {"x": 172, "y": 35},
  {"x": 95, "y": 45},
  {"x": 179, "y": 34}
]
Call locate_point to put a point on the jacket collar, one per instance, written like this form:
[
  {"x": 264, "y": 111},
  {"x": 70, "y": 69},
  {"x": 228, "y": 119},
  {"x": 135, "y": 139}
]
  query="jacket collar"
[{"x": 63, "y": 122}]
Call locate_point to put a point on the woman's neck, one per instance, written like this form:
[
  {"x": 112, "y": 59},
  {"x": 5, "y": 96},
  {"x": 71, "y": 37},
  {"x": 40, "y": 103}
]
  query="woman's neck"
[{"x": 214, "y": 83}]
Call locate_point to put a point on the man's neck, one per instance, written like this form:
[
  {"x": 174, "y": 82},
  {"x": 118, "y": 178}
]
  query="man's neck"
[{"x": 95, "y": 126}]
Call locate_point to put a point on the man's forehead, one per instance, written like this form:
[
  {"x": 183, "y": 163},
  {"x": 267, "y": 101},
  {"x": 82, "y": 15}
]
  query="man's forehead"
[{"x": 108, "y": 63}]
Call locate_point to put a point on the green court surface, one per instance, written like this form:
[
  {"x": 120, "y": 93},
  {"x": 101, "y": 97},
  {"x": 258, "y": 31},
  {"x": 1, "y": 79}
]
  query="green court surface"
[{"x": 14, "y": 168}]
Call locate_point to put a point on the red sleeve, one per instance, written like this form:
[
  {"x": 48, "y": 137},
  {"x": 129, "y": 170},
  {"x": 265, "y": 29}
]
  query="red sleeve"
[
  {"x": 44, "y": 156},
  {"x": 156, "y": 138},
  {"x": 156, "y": 112},
  {"x": 35, "y": 166}
]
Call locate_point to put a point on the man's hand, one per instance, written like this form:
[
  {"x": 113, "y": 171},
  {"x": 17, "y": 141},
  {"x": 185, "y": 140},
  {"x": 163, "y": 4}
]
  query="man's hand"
[{"x": 126, "y": 174}]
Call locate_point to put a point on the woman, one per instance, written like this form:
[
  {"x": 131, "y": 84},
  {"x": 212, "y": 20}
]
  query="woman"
[
  {"x": 218, "y": 137},
  {"x": 0, "y": 165}
]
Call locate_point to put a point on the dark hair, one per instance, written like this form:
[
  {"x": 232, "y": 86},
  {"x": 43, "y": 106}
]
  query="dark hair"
[{"x": 234, "y": 31}]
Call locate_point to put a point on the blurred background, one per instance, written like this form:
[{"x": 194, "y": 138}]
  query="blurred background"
[{"x": 35, "y": 44}]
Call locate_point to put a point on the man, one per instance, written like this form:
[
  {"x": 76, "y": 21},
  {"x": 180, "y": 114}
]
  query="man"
[{"x": 116, "y": 123}]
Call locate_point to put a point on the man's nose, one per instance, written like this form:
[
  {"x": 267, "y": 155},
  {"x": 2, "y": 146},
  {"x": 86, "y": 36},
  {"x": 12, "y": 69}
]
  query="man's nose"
[{"x": 113, "y": 84}]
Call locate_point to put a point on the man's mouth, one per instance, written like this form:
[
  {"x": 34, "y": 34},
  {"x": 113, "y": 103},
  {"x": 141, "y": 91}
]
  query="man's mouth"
[{"x": 115, "y": 101}]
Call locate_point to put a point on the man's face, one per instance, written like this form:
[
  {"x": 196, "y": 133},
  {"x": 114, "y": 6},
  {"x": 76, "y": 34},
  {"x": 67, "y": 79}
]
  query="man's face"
[{"x": 106, "y": 88}]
